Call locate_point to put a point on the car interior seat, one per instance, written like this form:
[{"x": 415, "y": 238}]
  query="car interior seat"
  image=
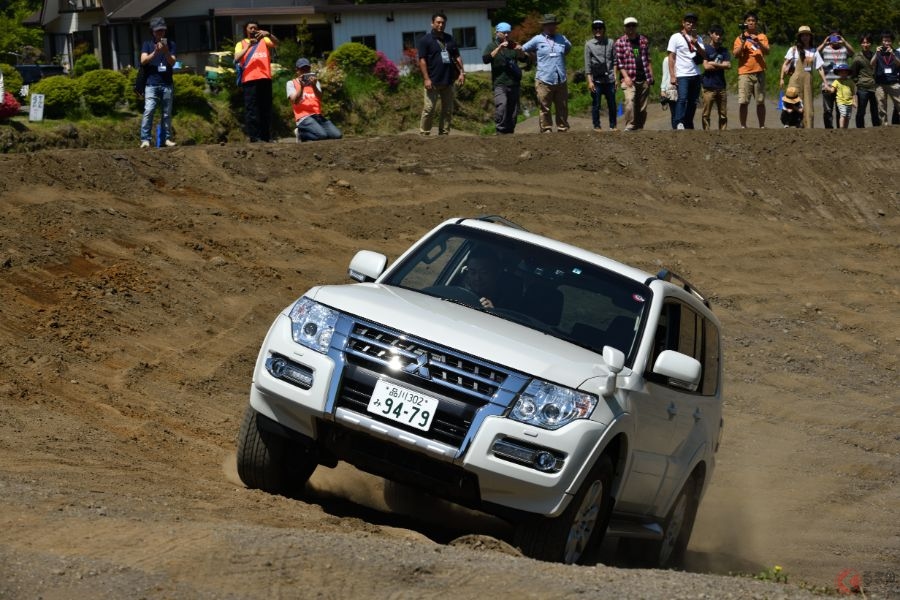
[{"x": 543, "y": 302}]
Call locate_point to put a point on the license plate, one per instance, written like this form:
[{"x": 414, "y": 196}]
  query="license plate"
[{"x": 402, "y": 405}]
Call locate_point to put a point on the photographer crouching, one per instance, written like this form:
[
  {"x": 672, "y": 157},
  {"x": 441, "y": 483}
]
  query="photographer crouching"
[{"x": 305, "y": 95}]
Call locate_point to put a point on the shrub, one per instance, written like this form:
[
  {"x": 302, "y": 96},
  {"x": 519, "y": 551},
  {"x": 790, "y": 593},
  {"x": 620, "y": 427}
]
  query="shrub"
[
  {"x": 102, "y": 90},
  {"x": 353, "y": 56},
  {"x": 86, "y": 63},
  {"x": 9, "y": 107},
  {"x": 61, "y": 95},
  {"x": 386, "y": 70},
  {"x": 12, "y": 81},
  {"x": 190, "y": 94}
]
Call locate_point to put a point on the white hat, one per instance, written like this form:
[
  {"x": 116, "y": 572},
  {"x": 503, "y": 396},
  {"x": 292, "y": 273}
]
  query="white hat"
[{"x": 631, "y": 21}]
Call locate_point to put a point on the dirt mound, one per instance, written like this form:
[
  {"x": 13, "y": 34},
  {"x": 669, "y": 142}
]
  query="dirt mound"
[{"x": 136, "y": 287}]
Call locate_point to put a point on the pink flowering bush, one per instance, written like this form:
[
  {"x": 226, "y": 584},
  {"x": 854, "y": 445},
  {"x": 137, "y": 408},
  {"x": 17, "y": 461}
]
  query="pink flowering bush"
[
  {"x": 386, "y": 70},
  {"x": 9, "y": 107}
]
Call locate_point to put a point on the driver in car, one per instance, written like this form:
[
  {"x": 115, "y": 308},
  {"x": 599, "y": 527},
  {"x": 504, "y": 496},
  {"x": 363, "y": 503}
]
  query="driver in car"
[{"x": 481, "y": 274}]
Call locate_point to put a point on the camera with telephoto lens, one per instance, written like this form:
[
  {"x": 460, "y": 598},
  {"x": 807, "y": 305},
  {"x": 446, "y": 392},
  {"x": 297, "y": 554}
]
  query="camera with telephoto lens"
[{"x": 742, "y": 26}]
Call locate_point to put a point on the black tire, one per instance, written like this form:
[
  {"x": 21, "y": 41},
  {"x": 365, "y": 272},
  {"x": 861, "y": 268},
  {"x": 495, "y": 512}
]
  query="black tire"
[
  {"x": 270, "y": 462},
  {"x": 669, "y": 552},
  {"x": 569, "y": 537}
]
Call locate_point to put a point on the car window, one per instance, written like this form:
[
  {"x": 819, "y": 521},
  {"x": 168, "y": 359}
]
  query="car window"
[{"x": 546, "y": 290}]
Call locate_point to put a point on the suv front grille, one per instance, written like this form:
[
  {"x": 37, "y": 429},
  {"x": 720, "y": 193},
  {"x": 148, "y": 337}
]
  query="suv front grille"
[
  {"x": 462, "y": 384},
  {"x": 398, "y": 352}
]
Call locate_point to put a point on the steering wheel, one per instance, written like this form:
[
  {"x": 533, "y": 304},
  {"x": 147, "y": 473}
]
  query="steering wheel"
[{"x": 456, "y": 293}]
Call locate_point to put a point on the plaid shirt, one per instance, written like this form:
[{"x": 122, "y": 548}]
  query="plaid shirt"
[{"x": 625, "y": 57}]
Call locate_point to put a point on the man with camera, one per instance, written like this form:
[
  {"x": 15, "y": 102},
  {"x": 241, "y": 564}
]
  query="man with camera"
[
  {"x": 157, "y": 60},
  {"x": 252, "y": 57},
  {"x": 686, "y": 53},
  {"x": 504, "y": 56},
  {"x": 750, "y": 49},
  {"x": 834, "y": 50},
  {"x": 305, "y": 96},
  {"x": 600, "y": 70},
  {"x": 886, "y": 64}
]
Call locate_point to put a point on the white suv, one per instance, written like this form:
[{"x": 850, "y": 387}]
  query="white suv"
[{"x": 570, "y": 394}]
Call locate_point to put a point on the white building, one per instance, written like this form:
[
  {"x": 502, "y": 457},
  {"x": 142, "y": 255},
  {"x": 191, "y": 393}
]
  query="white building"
[{"x": 115, "y": 29}]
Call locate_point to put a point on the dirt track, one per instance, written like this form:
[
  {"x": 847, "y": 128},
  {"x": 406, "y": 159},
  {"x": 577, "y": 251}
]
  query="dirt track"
[{"x": 135, "y": 288}]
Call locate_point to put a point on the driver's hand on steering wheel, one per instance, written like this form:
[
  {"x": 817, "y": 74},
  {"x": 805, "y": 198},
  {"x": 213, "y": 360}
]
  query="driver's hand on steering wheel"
[{"x": 486, "y": 303}]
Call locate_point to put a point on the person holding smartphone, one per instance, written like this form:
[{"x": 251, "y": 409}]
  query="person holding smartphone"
[{"x": 157, "y": 60}]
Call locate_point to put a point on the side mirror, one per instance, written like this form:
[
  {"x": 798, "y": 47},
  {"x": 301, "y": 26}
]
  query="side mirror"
[
  {"x": 615, "y": 361},
  {"x": 683, "y": 369},
  {"x": 367, "y": 266}
]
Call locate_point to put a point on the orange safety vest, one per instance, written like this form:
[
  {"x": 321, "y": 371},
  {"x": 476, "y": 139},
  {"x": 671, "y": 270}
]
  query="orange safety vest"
[
  {"x": 258, "y": 66},
  {"x": 309, "y": 103}
]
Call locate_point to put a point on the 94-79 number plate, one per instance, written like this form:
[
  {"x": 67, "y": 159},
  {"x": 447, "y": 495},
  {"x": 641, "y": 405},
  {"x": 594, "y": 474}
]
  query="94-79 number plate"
[{"x": 402, "y": 405}]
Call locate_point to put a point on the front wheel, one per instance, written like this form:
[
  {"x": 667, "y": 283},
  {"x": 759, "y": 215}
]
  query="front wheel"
[
  {"x": 568, "y": 537},
  {"x": 270, "y": 462}
]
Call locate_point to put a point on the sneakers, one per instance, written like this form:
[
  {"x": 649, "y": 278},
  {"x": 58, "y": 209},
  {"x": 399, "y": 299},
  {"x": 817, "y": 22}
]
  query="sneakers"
[
  {"x": 145, "y": 144},
  {"x": 170, "y": 144},
  {"x": 680, "y": 127}
]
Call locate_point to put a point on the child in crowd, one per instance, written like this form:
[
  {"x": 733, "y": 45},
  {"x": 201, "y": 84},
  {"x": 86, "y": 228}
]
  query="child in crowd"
[
  {"x": 845, "y": 94},
  {"x": 792, "y": 108}
]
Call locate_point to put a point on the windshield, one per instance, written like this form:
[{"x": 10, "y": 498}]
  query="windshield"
[{"x": 545, "y": 290}]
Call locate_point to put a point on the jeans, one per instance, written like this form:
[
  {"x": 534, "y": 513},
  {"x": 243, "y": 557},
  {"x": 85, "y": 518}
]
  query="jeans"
[
  {"x": 446, "y": 95},
  {"x": 604, "y": 90},
  {"x": 316, "y": 127},
  {"x": 157, "y": 95},
  {"x": 866, "y": 98},
  {"x": 688, "y": 95},
  {"x": 506, "y": 107}
]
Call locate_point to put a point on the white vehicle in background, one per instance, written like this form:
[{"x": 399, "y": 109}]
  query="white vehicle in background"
[{"x": 583, "y": 398}]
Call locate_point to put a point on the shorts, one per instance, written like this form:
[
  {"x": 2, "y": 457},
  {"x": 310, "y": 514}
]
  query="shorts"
[
  {"x": 752, "y": 85},
  {"x": 845, "y": 110}
]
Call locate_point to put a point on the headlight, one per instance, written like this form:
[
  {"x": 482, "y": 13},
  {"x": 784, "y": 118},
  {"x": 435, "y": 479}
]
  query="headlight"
[
  {"x": 312, "y": 324},
  {"x": 551, "y": 406}
]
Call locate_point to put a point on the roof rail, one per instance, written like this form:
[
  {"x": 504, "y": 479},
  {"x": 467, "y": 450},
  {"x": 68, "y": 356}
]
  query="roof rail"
[
  {"x": 667, "y": 275},
  {"x": 500, "y": 221}
]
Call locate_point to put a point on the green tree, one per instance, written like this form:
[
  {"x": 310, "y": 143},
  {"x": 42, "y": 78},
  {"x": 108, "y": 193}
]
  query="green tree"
[{"x": 14, "y": 35}]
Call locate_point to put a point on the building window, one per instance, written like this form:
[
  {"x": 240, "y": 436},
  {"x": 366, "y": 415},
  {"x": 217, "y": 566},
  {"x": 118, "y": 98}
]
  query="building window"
[
  {"x": 365, "y": 40},
  {"x": 465, "y": 37},
  {"x": 411, "y": 39},
  {"x": 190, "y": 35}
]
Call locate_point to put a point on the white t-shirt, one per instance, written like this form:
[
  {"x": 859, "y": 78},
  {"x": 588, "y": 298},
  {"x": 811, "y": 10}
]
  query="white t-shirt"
[
  {"x": 812, "y": 60},
  {"x": 684, "y": 55}
]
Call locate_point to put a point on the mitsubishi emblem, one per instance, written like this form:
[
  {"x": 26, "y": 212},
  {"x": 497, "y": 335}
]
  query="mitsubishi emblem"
[{"x": 420, "y": 367}]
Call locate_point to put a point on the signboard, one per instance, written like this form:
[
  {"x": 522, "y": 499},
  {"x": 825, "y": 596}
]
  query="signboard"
[{"x": 37, "y": 108}]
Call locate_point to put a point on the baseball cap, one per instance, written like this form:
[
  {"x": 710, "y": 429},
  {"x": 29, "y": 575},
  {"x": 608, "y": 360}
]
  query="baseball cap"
[
  {"x": 504, "y": 27},
  {"x": 631, "y": 21},
  {"x": 804, "y": 29},
  {"x": 691, "y": 17},
  {"x": 597, "y": 24},
  {"x": 301, "y": 62},
  {"x": 842, "y": 67},
  {"x": 157, "y": 23}
]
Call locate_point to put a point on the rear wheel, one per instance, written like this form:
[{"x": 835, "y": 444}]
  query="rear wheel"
[
  {"x": 669, "y": 552},
  {"x": 568, "y": 537},
  {"x": 270, "y": 462}
]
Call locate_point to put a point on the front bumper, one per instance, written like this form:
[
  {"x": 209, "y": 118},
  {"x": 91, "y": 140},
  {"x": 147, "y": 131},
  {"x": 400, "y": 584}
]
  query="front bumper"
[{"x": 474, "y": 472}]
